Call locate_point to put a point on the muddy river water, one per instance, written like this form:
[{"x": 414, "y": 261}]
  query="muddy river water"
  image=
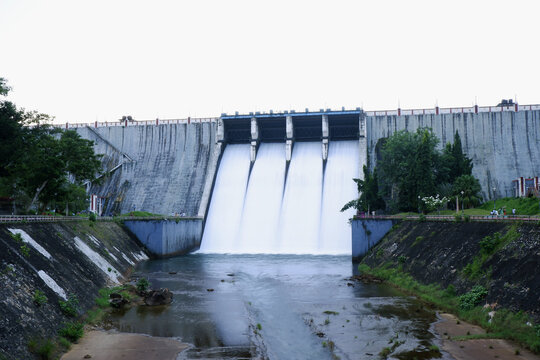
[{"x": 280, "y": 307}]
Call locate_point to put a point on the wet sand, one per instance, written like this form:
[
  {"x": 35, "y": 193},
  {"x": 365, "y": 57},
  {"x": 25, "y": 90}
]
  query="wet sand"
[
  {"x": 476, "y": 349},
  {"x": 106, "y": 345}
]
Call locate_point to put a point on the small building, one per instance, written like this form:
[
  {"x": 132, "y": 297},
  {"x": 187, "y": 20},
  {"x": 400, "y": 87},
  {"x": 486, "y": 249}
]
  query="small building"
[
  {"x": 525, "y": 186},
  {"x": 96, "y": 204}
]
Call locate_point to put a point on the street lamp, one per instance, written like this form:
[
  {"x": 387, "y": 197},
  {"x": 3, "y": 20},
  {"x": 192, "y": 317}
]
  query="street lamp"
[
  {"x": 418, "y": 204},
  {"x": 462, "y": 204}
]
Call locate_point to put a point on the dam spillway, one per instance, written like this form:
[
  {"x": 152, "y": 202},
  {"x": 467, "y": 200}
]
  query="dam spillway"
[{"x": 277, "y": 212}]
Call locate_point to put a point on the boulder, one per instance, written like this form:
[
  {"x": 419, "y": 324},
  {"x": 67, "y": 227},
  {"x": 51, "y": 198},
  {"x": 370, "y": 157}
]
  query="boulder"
[
  {"x": 117, "y": 300},
  {"x": 158, "y": 297}
]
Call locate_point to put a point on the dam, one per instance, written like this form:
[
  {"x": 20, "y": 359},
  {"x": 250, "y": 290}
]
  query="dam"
[{"x": 282, "y": 177}]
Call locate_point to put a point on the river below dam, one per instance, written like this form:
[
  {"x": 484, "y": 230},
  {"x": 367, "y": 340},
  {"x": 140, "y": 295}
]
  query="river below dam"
[{"x": 278, "y": 307}]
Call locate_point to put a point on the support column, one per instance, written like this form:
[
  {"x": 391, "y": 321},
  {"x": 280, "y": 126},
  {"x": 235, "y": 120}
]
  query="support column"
[
  {"x": 220, "y": 131},
  {"x": 289, "y": 130},
  {"x": 325, "y": 135},
  {"x": 362, "y": 145},
  {"x": 254, "y": 139}
]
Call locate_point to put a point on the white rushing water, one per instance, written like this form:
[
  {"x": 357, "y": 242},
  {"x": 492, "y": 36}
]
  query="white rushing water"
[
  {"x": 301, "y": 209},
  {"x": 342, "y": 166},
  {"x": 274, "y": 215},
  {"x": 260, "y": 218},
  {"x": 225, "y": 212}
]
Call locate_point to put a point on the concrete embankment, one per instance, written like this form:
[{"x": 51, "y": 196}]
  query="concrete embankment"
[
  {"x": 60, "y": 260},
  {"x": 450, "y": 253}
]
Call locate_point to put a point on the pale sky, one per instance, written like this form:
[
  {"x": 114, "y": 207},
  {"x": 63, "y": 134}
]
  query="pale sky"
[{"x": 82, "y": 61}]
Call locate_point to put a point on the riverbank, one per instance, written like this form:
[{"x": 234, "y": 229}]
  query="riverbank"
[
  {"x": 486, "y": 274},
  {"x": 464, "y": 342},
  {"x": 51, "y": 274},
  {"x": 110, "y": 345}
]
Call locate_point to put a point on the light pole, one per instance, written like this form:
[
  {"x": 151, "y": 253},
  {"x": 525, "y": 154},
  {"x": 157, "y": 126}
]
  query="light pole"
[
  {"x": 494, "y": 207},
  {"x": 418, "y": 204},
  {"x": 462, "y": 204}
]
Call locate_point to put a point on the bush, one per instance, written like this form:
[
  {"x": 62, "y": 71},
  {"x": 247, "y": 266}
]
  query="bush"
[
  {"x": 457, "y": 217},
  {"x": 466, "y": 218},
  {"x": 92, "y": 217},
  {"x": 25, "y": 250},
  {"x": 17, "y": 237},
  {"x": 469, "y": 300},
  {"x": 69, "y": 307},
  {"x": 72, "y": 331},
  {"x": 422, "y": 218},
  {"x": 42, "y": 347},
  {"x": 142, "y": 285},
  {"x": 39, "y": 298}
]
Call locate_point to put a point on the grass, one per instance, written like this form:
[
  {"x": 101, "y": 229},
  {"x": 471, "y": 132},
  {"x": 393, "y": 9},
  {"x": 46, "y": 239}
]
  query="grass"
[
  {"x": 523, "y": 206},
  {"x": 72, "y": 331},
  {"x": 140, "y": 214},
  {"x": 44, "y": 348},
  {"x": 39, "y": 298},
  {"x": 70, "y": 307},
  {"x": 505, "y": 324}
]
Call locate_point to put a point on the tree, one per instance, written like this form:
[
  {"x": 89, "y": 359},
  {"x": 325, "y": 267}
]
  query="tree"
[
  {"x": 408, "y": 167},
  {"x": 368, "y": 191},
  {"x": 454, "y": 162},
  {"x": 470, "y": 186},
  {"x": 39, "y": 161}
]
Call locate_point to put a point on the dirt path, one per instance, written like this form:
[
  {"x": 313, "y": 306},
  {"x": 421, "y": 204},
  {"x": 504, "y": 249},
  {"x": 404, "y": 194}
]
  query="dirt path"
[
  {"x": 477, "y": 349},
  {"x": 105, "y": 345}
]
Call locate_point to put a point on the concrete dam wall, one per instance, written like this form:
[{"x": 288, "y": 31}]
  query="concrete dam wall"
[
  {"x": 170, "y": 168},
  {"x": 162, "y": 169},
  {"x": 503, "y": 145}
]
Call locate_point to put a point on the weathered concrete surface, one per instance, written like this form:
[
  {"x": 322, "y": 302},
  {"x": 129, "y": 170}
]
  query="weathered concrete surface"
[
  {"x": 366, "y": 233},
  {"x": 164, "y": 169},
  {"x": 76, "y": 256},
  {"x": 437, "y": 252},
  {"x": 101, "y": 345},
  {"x": 502, "y": 145},
  {"x": 168, "y": 237}
]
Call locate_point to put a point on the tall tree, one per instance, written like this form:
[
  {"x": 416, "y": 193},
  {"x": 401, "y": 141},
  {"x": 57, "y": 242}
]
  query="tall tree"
[
  {"x": 38, "y": 161},
  {"x": 408, "y": 167}
]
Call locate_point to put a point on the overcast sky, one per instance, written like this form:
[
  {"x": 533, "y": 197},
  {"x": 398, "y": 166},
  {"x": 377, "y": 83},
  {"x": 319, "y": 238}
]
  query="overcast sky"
[{"x": 82, "y": 61}]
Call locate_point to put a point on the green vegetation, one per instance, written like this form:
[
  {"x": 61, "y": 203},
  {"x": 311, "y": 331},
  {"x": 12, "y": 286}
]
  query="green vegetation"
[
  {"x": 92, "y": 217},
  {"x": 141, "y": 214},
  {"x": 17, "y": 237},
  {"x": 70, "y": 307},
  {"x": 329, "y": 312},
  {"x": 259, "y": 326},
  {"x": 523, "y": 205},
  {"x": 25, "y": 250},
  {"x": 72, "y": 331},
  {"x": 39, "y": 298},
  {"x": 368, "y": 189},
  {"x": 40, "y": 165},
  {"x": 142, "y": 285},
  {"x": 505, "y": 324},
  {"x": 42, "y": 347},
  {"x": 489, "y": 246},
  {"x": 418, "y": 240},
  {"x": 473, "y": 298},
  {"x": 412, "y": 175}
]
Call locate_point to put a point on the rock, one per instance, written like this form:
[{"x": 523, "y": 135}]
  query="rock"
[
  {"x": 158, "y": 297},
  {"x": 117, "y": 300}
]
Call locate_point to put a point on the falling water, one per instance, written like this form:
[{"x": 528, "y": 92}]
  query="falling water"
[
  {"x": 224, "y": 215},
  {"x": 260, "y": 218},
  {"x": 301, "y": 209},
  {"x": 341, "y": 167},
  {"x": 277, "y": 215}
]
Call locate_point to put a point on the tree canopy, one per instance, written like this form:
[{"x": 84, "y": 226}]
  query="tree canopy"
[
  {"x": 41, "y": 165},
  {"x": 410, "y": 169}
]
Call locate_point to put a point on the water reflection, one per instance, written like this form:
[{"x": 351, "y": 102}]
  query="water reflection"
[{"x": 280, "y": 305}]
